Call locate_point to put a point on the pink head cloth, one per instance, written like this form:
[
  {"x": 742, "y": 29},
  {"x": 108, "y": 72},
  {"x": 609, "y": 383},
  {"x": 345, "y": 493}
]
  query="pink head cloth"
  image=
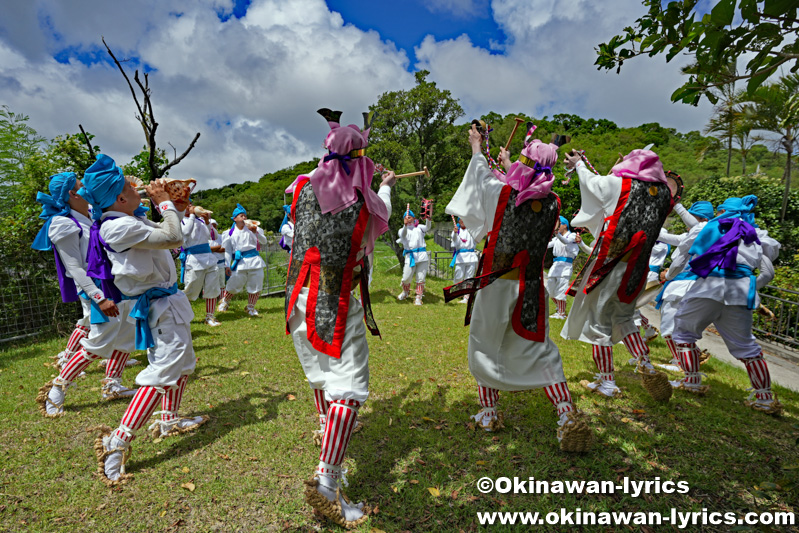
[
  {"x": 642, "y": 165},
  {"x": 533, "y": 183},
  {"x": 335, "y": 189}
]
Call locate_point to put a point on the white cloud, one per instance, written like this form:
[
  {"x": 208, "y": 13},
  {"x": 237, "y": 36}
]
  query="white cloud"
[
  {"x": 250, "y": 86},
  {"x": 547, "y": 67}
]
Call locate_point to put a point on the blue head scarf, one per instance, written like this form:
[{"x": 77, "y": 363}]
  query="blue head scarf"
[
  {"x": 409, "y": 213},
  {"x": 564, "y": 221},
  {"x": 286, "y": 213},
  {"x": 733, "y": 208},
  {"x": 141, "y": 211},
  {"x": 238, "y": 211},
  {"x": 702, "y": 209},
  {"x": 54, "y": 204},
  {"x": 102, "y": 183}
]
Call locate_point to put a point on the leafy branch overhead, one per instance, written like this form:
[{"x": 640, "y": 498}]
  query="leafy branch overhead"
[
  {"x": 765, "y": 30},
  {"x": 146, "y": 117}
]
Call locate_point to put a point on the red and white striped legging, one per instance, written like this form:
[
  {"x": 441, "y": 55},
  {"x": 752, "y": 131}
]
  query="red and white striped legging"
[
  {"x": 637, "y": 347},
  {"x": 672, "y": 348},
  {"x": 760, "y": 377},
  {"x": 210, "y": 306},
  {"x": 73, "y": 344},
  {"x": 603, "y": 358},
  {"x": 689, "y": 361},
  {"x": 143, "y": 405},
  {"x": 322, "y": 405},
  {"x": 116, "y": 364},
  {"x": 341, "y": 417}
]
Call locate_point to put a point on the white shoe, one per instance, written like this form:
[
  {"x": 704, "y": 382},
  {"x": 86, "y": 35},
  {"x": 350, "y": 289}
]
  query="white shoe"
[
  {"x": 558, "y": 316},
  {"x": 251, "y": 311},
  {"x": 330, "y": 488},
  {"x": 113, "y": 389},
  {"x": 465, "y": 300},
  {"x": 130, "y": 362},
  {"x": 223, "y": 305},
  {"x": 176, "y": 425},
  {"x": 604, "y": 387},
  {"x": 418, "y": 301},
  {"x": 402, "y": 295},
  {"x": 487, "y": 418},
  {"x": 212, "y": 321},
  {"x": 61, "y": 359},
  {"x": 669, "y": 367},
  {"x": 114, "y": 467},
  {"x": 53, "y": 403}
]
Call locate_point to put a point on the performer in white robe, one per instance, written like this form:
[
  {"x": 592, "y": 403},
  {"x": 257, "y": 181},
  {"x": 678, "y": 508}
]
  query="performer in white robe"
[
  {"x": 67, "y": 229},
  {"x": 323, "y": 318},
  {"x": 286, "y": 229},
  {"x": 137, "y": 252},
  {"x": 464, "y": 254},
  {"x": 723, "y": 258},
  {"x": 417, "y": 261},
  {"x": 624, "y": 211},
  {"x": 674, "y": 290},
  {"x": 219, "y": 252},
  {"x": 565, "y": 247},
  {"x": 509, "y": 345},
  {"x": 246, "y": 264},
  {"x": 199, "y": 271}
]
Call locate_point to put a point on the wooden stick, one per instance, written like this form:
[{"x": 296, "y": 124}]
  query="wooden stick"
[
  {"x": 512, "y": 133},
  {"x": 418, "y": 173}
]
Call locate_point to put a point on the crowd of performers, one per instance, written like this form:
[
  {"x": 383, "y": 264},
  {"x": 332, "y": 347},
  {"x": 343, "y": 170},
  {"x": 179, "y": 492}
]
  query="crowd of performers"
[{"x": 117, "y": 263}]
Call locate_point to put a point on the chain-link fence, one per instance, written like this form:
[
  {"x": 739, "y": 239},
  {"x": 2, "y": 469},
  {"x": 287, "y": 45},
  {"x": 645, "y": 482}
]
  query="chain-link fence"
[{"x": 30, "y": 299}]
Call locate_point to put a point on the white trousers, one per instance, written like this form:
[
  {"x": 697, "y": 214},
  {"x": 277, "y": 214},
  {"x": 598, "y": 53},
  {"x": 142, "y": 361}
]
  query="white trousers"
[
  {"x": 464, "y": 271},
  {"x": 116, "y": 334},
  {"x": 252, "y": 280},
  {"x": 557, "y": 287},
  {"x": 344, "y": 378},
  {"x": 733, "y": 322},
  {"x": 420, "y": 270},
  {"x": 205, "y": 280},
  {"x": 171, "y": 357}
]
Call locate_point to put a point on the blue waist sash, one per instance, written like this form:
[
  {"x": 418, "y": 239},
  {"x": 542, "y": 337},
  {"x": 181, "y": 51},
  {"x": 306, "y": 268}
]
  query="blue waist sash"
[
  {"x": 141, "y": 312},
  {"x": 220, "y": 262},
  {"x": 97, "y": 316},
  {"x": 186, "y": 252},
  {"x": 739, "y": 272},
  {"x": 455, "y": 254},
  {"x": 238, "y": 256},
  {"x": 685, "y": 274},
  {"x": 412, "y": 252},
  {"x": 563, "y": 259},
  {"x": 655, "y": 268}
]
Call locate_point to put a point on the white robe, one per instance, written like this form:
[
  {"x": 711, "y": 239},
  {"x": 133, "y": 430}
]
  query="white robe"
[
  {"x": 599, "y": 317},
  {"x": 498, "y": 357}
]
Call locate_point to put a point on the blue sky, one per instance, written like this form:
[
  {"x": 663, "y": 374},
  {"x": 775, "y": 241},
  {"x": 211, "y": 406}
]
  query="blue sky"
[{"x": 407, "y": 22}]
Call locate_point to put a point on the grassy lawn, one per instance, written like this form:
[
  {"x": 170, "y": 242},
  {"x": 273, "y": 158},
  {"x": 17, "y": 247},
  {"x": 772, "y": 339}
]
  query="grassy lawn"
[{"x": 246, "y": 466}]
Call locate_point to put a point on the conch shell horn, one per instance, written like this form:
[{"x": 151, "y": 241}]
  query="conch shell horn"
[{"x": 330, "y": 115}]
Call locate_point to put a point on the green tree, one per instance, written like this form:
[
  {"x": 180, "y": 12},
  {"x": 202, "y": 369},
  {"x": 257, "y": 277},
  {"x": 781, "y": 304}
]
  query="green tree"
[
  {"x": 412, "y": 130},
  {"x": 140, "y": 164},
  {"x": 764, "y": 28},
  {"x": 18, "y": 142},
  {"x": 774, "y": 110}
]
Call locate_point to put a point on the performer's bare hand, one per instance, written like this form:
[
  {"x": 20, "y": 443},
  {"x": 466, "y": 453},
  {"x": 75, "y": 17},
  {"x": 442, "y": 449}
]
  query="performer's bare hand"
[
  {"x": 157, "y": 192},
  {"x": 475, "y": 140},
  {"x": 389, "y": 179},
  {"x": 189, "y": 209},
  {"x": 217, "y": 248},
  {"x": 572, "y": 158},
  {"x": 109, "y": 308},
  {"x": 577, "y": 238},
  {"x": 228, "y": 272},
  {"x": 504, "y": 158},
  {"x": 663, "y": 276},
  {"x": 253, "y": 228}
]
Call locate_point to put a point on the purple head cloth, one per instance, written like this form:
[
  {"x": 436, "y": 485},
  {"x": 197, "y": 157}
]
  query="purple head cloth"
[{"x": 723, "y": 253}]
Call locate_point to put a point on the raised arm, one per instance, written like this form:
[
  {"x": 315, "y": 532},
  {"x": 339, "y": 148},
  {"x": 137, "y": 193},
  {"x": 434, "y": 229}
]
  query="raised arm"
[{"x": 688, "y": 219}]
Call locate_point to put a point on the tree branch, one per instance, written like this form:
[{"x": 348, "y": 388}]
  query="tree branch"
[
  {"x": 88, "y": 142},
  {"x": 184, "y": 154},
  {"x": 130, "y": 85}
]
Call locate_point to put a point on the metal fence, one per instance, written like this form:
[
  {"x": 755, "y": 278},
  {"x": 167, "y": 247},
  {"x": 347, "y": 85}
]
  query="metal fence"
[
  {"x": 277, "y": 267},
  {"x": 30, "y": 299},
  {"x": 783, "y": 327}
]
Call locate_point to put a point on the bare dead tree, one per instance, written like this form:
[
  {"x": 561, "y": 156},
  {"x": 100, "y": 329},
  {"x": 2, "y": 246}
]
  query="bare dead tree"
[{"x": 146, "y": 118}]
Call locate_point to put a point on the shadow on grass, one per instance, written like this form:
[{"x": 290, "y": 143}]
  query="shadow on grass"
[{"x": 225, "y": 417}]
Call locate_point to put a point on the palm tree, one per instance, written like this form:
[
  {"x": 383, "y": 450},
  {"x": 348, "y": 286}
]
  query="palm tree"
[
  {"x": 775, "y": 109},
  {"x": 723, "y": 121}
]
